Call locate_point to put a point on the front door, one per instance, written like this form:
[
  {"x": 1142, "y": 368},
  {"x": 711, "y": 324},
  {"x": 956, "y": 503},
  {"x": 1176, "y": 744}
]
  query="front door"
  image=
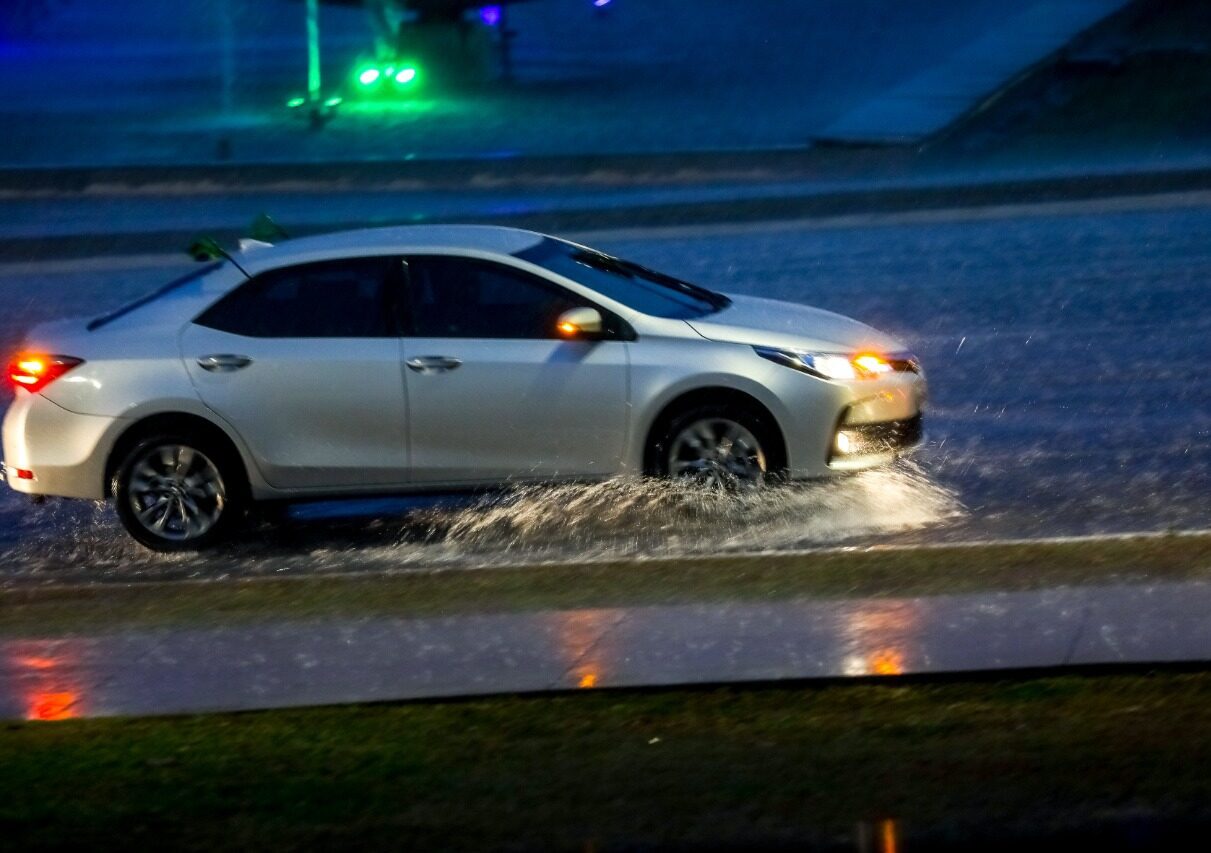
[{"x": 493, "y": 393}]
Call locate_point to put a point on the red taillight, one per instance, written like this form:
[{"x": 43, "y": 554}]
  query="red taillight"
[{"x": 33, "y": 372}]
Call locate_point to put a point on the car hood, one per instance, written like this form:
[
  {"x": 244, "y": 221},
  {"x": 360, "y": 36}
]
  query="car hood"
[{"x": 773, "y": 323}]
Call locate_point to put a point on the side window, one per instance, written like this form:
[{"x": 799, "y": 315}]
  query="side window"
[
  {"x": 467, "y": 298},
  {"x": 350, "y": 298}
]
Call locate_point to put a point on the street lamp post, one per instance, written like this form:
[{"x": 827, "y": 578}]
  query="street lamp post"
[{"x": 313, "y": 64}]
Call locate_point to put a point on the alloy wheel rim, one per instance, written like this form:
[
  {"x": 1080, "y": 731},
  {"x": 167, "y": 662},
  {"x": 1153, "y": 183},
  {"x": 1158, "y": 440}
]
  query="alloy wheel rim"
[
  {"x": 717, "y": 452},
  {"x": 176, "y": 492}
]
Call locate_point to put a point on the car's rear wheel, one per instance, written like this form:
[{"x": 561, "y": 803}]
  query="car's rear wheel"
[
  {"x": 718, "y": 446},
  {"x": 177, "y": 492}
]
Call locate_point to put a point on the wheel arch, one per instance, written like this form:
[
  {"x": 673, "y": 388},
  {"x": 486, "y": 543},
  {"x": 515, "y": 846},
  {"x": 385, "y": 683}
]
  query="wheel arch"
[
  {"x": 175, "y": 421},
  {"x": 709, "y": 395}
]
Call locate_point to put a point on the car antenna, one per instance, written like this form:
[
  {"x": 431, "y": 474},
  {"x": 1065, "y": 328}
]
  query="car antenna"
[{"x": 208, "y": 249}]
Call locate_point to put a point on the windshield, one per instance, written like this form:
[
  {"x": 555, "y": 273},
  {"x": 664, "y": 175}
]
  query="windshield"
[{"x": 626, "y": 282}]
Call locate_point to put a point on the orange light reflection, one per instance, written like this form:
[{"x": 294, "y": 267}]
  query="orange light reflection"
[
  {"x": 46, "y": 679},
  {"x": 34, "y": 662},
  {"x": 879, "y": 637},
  {"x": 52, "y": 706},
  {"x": 583, "y": 637},
  {"x": 886, "y": 662},
  {"x": 888, "y": 837}
]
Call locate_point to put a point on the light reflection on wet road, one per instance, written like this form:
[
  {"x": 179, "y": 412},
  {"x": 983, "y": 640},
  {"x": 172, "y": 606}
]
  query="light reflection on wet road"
[
  {"x": 1065, "y": 355},
  {"x": 290, "y": 664}
]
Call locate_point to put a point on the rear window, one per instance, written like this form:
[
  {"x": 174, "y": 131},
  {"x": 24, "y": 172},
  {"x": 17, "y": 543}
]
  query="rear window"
[
  {"x": 348, "y": 298},
  {"x": 164, "y": 290}
]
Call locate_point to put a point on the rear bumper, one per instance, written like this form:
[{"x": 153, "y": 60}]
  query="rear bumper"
[{"x": 65, "y": 452}]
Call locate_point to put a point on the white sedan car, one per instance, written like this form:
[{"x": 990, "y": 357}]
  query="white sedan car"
[{"x": 436, "y": 359}]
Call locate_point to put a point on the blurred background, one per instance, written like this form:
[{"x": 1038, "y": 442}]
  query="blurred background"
[{"x": 141, "y": 81}]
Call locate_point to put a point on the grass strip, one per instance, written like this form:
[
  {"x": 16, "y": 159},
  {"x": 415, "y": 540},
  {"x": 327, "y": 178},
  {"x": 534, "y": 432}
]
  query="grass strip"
[
  {"x": 47, "y": 611},
  {"x": 601, "y": 770}
]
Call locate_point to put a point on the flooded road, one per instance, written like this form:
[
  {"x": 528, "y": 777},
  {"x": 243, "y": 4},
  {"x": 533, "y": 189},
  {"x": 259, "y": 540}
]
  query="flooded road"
[{"x": 1066, "y": 355}]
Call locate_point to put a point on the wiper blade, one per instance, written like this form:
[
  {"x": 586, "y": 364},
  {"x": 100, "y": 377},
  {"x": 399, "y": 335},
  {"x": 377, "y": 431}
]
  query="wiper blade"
[
  {"x": 632, "y": 270},
  {"x": 706, "y": 295},
  {"x": 605, "y": 263}
]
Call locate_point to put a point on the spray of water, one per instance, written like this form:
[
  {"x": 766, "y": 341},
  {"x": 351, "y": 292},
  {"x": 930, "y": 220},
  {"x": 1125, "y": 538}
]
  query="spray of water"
[
  {"x": 630, "y": 517},
  {"x": 620, "y": 518}
]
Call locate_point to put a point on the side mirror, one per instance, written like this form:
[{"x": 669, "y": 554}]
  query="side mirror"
[{"x": 580, "y": 324}]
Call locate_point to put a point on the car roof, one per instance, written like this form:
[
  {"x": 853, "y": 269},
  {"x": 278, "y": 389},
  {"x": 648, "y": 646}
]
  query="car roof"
[{"x": 493, "y": 239}]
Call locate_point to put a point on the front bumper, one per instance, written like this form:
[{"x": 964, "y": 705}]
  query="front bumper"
[{"x": 858, "y": 446}]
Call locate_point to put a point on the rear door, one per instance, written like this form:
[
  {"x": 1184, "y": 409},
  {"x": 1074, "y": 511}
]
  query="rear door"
[
  {"x": 304, "y": 363},
  {"x": 493, "y": 393}
]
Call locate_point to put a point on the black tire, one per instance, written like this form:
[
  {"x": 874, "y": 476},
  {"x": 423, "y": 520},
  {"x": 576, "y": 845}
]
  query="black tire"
[
  {"x": 760, "y": 425},
  {"x": 226, "y": 496}
]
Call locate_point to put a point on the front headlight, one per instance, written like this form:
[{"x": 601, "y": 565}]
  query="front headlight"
[{"x": 828, "y": 365}]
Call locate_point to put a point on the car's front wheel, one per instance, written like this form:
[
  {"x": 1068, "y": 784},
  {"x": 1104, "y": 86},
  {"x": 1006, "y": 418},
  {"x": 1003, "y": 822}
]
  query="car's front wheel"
[
  {"x": 718, "y": 446},
  {"x": 179, "y": 493}
]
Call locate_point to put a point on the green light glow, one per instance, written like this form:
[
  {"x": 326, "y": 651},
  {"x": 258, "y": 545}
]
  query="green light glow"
[
  {"x": 401, "y": 106},
  {"x": 405, "y": 76},
  {"x": 332, "y": 102},
  {"x": 296, "y": 102},
  {"x": 369, "y": 76}
]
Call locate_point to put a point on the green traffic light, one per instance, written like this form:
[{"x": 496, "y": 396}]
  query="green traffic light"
[
  {"x": 405, "y": 76},
  {"x": 369, "y": 76}
]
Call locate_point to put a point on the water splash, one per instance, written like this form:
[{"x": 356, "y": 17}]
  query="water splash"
[
  {"x": 59, "y": 535},
  {"x": 629, "y": 517},
  {"x": 618, "y": 518}
]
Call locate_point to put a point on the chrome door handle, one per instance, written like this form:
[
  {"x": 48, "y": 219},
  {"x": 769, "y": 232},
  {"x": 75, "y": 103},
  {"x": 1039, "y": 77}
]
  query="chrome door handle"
[
  {"x": 433, "y": 363},
  {"x": 223, "y": 362}
]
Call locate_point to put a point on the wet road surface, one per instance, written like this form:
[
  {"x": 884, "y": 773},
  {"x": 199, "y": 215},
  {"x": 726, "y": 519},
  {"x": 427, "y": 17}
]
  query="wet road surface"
[
  {"x": 274, "y": 665},
  {"x": 1065, "y": 349}
]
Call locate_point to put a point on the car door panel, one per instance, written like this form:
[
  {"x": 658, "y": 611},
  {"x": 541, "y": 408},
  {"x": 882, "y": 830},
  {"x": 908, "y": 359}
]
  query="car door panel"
[
  {"x": 493, "y": 395},
  {"x": 517, "y": 409},
  {"x": 304, "y": 363},
  {"x": 316, "y": 413}
]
